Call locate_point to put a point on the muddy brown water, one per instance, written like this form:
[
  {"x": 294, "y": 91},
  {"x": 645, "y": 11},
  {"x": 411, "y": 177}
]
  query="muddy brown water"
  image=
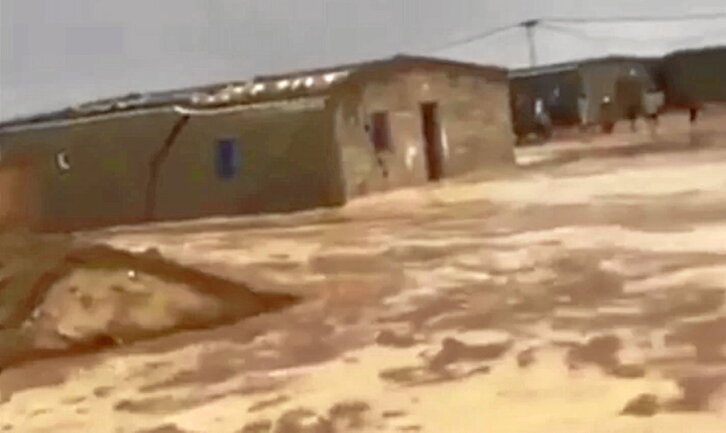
[{"x": 581, "y": 296}]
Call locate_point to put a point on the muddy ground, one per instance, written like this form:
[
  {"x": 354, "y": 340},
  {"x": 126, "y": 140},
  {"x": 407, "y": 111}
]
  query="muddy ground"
[
  {"x": 584, "y": 293},
  {"x": 61, "y": 296}
]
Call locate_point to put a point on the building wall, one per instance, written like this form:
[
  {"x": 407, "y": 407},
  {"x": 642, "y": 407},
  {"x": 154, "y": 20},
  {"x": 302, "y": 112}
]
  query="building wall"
[
  {"x": 559, "y": 92},
  {"x": 696, "y": 77},
  {"x": 19, "y": 198},
  {"x": 287, "y": 162},
  {"x": 599, "y": 80},
  {"x": 474, "y": 117},
  {"x": 290, "y": 154},
  {"x": 108, "y": 167}
]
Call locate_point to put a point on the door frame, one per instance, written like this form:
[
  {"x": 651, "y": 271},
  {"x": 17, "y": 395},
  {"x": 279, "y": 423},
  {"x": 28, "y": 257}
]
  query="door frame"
[{"x": 431, "y": 132}]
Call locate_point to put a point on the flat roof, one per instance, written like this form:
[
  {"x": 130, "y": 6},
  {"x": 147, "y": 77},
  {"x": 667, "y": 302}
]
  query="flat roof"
[
  {"x": 695, "y": 51},
  {"x": 264, "y": 88},
  {"x": 568, "y": 66}
]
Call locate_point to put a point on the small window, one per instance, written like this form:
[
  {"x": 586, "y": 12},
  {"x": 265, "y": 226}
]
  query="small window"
[
  {"x": 380, "y": 131},
  {"x": 62, "y": 161},
  {"x": 227, "y": 158}
]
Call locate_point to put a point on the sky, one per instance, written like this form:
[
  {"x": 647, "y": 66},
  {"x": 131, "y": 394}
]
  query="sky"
[{"x": 54, "y": 53}]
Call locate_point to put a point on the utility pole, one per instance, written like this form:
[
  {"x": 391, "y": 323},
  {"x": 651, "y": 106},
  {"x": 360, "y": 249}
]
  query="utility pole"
[{"x": 529, "y": 28}]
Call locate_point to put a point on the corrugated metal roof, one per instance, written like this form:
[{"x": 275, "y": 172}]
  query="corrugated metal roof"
[
  {"x": 260, "y": 89},
  {"x": 544, "y": 70},
  {"x": 561, "y": 67}
]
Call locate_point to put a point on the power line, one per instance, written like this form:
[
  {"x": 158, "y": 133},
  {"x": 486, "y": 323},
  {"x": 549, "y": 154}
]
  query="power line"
[
  {"x": 584, "y": 35},
  {"x": 578, "y": 33},
  {"x": 531, "y": 24},
  {"x": 474, "y": 37},
  {"x": 652, "y": 18}
]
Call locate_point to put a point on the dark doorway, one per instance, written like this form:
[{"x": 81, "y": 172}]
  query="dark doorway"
[
  {"x": 432, "y": 139},
  {"x": 628, "y": 96},
  {"x": 381, "y": 131}
]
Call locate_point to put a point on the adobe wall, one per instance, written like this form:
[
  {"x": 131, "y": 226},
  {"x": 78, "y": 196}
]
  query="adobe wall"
[
  {"x": 287, "y": 162},
  {"x": 19, "y": 198},
  {"x": 475, "y": 119},
  {"x": 559, "y": 92},
  {"x": 599, "y": 80},
  {"x": 108, "y": 167}
]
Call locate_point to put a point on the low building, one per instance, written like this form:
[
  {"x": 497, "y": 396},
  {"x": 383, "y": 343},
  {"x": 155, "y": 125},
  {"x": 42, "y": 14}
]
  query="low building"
[
  {"x": 272, "y": 144},
  {"x": 695, "y": 77},
  {"x": 587, "y": 92},
  {"x": 551, "y": 91}
]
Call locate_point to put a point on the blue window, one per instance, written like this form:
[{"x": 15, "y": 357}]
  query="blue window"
[{"x": 228, "y": 158}]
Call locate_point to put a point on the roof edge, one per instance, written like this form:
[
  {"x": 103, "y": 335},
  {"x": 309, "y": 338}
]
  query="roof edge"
[
  {"x": 134, "y": 101},
  {"x": 563, "y": 66},
  {"x": 690, "y": 51}
]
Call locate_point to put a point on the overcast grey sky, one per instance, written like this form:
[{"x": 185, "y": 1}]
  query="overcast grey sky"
[{"x": 58, "y": 52}]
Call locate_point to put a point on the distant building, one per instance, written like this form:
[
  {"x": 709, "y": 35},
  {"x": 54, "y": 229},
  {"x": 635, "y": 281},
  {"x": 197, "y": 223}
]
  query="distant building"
[
  {"x": 555, "y": 89},
  {"x": 588, "y": 92},
  {"x": 695, "y": 77},
  {"x": 273, "y": 144}
]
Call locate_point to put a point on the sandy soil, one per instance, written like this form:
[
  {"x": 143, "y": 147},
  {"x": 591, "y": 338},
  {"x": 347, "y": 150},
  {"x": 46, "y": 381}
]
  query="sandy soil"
[{"x": 585, "y": 293}]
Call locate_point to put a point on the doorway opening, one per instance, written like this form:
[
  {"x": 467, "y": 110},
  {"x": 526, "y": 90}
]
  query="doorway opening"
[
  {"x": 432, "y": 140},
  {"x": 628, "y": 97}
]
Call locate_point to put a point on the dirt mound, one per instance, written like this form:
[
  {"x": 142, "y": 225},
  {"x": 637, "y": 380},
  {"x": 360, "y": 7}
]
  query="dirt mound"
[{"x": 61, "y": 295}]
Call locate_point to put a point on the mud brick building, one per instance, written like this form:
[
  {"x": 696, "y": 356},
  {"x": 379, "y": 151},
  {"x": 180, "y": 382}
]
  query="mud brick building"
[
  {"x": 587, "y": 92},
  {"x": 272, "y": 144}
]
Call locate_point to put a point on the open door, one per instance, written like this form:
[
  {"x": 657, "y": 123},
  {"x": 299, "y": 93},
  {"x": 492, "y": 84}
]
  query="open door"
[
  {"x": 432, "y": 140},
  {"x": 19, "y": 199}
]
